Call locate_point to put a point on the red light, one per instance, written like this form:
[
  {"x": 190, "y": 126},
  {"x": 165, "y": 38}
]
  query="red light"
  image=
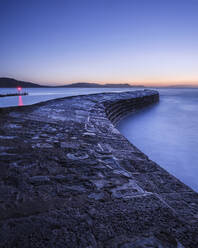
[{"x": 19, "y": 88}]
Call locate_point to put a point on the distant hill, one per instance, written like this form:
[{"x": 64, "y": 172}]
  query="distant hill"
[
  {"x": 13, "y": 83},
  {"x": 95, "y": 85},
  {"x": 81, "y": 85}
]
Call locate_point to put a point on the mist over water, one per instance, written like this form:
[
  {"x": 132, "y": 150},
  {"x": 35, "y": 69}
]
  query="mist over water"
[{"x": 168, "y": 133}]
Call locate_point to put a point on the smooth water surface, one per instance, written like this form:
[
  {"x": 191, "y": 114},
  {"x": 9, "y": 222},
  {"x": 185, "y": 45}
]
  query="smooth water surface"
[
  {"x": 168, "y": 133},
  {"x": 43, "y": 94}
]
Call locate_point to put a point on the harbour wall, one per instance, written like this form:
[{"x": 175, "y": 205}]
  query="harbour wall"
[{"x": 69, "y": 178}]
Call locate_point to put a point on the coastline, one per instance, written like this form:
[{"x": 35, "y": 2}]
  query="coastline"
[{"x": 67, "y": 170}]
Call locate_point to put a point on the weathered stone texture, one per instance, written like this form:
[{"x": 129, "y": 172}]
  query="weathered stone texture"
[{"x": 68, "y": 178}]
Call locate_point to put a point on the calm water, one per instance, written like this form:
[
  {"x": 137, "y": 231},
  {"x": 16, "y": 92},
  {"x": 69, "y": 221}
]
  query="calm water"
[
  {"x": 43, "y": 94},
  {"x": 168, "y": 133}
]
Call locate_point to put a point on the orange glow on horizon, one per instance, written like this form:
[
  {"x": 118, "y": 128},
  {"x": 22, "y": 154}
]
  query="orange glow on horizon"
[
  {"x": 140, "y": 83},
  {"x": 146, "y": 82}
]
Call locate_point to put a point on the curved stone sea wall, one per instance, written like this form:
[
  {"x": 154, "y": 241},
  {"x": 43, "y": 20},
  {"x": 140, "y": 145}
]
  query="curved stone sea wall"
[
  {"x": 116, "y": 109},
  {"x": 68, "y": 178}
]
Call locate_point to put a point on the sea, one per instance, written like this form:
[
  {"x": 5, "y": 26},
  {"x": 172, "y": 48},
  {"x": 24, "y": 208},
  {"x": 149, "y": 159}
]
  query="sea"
[{"x": 167, "y": 132}]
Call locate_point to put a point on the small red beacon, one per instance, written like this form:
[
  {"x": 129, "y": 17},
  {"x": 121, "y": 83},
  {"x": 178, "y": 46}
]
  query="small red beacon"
[{"x": 19, "y": 88}]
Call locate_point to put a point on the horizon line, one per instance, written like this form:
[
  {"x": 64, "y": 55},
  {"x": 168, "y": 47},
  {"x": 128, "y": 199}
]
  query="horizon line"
[{"x": 131, "y": 83}]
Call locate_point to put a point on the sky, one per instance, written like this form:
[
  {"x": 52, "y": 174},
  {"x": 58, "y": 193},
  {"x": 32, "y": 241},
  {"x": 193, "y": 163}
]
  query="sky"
[{"x": 150, "y": 42}]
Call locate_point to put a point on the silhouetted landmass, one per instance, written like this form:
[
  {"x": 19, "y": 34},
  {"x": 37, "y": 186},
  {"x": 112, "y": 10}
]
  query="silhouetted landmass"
[
  {"x": 13, "y": 83},
  {"x": 95, "y": 85}
]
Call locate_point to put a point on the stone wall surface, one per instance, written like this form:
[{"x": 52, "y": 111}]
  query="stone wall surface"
[{"x": 68, "y": 178}]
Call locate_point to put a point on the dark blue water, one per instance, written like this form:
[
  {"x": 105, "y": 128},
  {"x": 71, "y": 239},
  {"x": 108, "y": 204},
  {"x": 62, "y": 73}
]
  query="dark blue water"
[{"x": 168, "y": 133}]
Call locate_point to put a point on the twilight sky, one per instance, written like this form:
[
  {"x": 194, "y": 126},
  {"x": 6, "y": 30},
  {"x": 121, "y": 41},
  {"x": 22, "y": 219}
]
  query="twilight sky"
[{"x": 111, "y": 41}]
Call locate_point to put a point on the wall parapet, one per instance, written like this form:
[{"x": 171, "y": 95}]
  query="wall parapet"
[{"x": 118, "y": 109}]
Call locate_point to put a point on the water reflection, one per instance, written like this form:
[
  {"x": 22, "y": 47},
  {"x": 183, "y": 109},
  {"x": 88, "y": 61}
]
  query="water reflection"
[{"x": 20, "y": 102}]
